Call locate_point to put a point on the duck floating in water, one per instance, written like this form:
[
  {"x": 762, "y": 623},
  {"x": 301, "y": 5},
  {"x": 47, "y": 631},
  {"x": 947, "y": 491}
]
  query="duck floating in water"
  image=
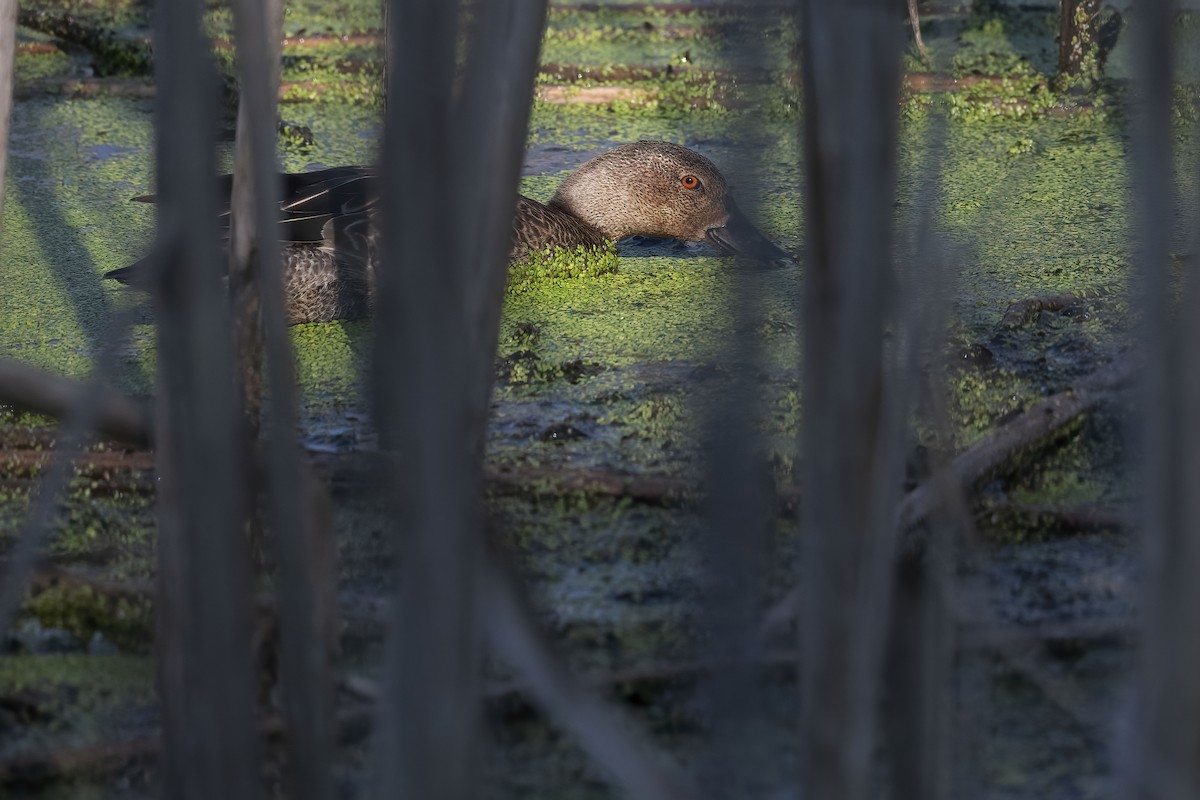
[{"x": 653, "y": 189}]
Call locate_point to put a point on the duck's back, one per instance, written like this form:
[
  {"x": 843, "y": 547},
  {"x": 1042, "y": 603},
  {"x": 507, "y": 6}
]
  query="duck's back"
[{"x": 537, "y": 226}]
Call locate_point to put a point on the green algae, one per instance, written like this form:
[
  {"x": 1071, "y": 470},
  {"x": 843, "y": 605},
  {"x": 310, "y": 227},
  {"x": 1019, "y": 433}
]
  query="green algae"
[
  {"x": 67, "y": 219},
  {"x": 980, "y": 400},
  {"x": 647, "y": 36},
  {"x": 1003, "y": 43},
  {"x": 1020, "y": 97},
  {"x": 127, "y": 622},
  {"x": 642, "y": 91},
  {"x": 95, "y": 518},
  {"x": 1081, "y": 467},
  {"x": 631, "y": 561},
  {"x": 330, "y": 357},
  {"x": 101, "y": 680},
  {"x": 560, "y": 264},
  {"x": 1020, "y": 200},
  {"x": 649, "y": 308},
  {"x": 1048, "y": 218},
  {"x": 101, "y": 512}
]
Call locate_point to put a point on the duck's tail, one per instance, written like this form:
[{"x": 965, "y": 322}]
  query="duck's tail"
[{"x": 136, "y": 274}]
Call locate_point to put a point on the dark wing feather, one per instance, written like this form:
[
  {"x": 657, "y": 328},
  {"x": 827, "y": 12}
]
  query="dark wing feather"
[
  {"x": 309, "y": 200},
  {"x": 350, "y": 236},
  {"x": 295, "y": 184}
]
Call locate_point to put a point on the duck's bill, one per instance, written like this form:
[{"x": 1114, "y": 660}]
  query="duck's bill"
[{"x": 738, "y": 236}]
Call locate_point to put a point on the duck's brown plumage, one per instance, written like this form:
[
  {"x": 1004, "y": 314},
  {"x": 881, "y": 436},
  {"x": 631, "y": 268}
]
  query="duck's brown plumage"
[
  {"x": 636, "y": 189},
  {"x": 536, "y": 226}
]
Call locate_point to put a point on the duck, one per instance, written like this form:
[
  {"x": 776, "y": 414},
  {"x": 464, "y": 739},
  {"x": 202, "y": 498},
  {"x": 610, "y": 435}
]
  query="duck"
[{"x": 649, "y": 189}]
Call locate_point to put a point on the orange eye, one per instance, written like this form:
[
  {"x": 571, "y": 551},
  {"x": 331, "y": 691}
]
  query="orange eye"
[{"x": 690, "y": 181}]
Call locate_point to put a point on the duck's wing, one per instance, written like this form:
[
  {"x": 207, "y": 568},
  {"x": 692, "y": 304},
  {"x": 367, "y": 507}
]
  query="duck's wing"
[
  {"x": 307, "y": 213},
  {"x": 310, "y": 200},
  {"x": 332, "y": 278},
  {"x": 296, "y": 185},
  {"x": 350, "y": 237},
  {"x": 536, "y": 226}
]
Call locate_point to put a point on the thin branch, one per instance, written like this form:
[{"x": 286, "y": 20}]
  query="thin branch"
[
  {"x": 116, "y": 415},
  {"x": 1035, "y": 425},
  {"x": 983, "y": 458},
  {"x": 81, "y": 418},
  {"x": 1025, "y": 312},
  {"x": 603, "y": 732},
  {"x": 914, "y": 19},
  {"x": 44, "y": 766}
]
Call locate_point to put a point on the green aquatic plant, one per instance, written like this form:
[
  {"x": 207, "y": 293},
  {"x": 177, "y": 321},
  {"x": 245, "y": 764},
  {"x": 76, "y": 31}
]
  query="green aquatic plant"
[
  {"x": 560, "y": 263},
  {"x": 126, "y": 621},
  {"x": 1021, "y": 146},
  {"x": 1022, "y": 97}
]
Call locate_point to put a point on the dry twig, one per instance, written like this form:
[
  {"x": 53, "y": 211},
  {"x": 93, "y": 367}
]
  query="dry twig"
[
  {"x": 1024, "y": 312},
  {"x": 117, "y": 415},
  {"x": 43, "y": 766},
  {"x": 602, "y": 730},
  {"x": 1035, "y": 425}
]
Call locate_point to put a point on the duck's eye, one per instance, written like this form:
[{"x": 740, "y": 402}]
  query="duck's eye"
[{"x": 690, "y": 182}]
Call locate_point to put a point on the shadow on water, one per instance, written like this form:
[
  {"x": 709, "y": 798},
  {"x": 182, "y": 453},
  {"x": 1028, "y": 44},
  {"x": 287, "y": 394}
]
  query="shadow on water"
[
  {"x": 62, "y": 240},
  {"x": 67, "y": 256}
]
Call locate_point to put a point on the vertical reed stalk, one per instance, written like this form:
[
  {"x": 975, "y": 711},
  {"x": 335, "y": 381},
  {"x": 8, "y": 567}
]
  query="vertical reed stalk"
[
  {"x": 1165, "y": 738},
  {"x": 851, "y": 440},
  {"x": 204, "y": 656}
]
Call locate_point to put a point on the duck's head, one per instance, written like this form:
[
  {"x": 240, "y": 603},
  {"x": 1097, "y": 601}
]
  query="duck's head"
[{"x": 662, "y": 190}]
